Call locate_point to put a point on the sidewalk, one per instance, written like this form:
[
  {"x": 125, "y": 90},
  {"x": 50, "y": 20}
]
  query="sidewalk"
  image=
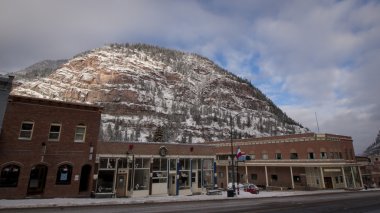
[{"x": 64, "y": 202}]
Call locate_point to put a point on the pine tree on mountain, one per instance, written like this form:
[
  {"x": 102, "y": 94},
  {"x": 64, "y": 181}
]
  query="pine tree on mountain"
[{"x": 158, "y": 135}]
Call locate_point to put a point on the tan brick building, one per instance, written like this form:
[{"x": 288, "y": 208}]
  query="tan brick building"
[
  {"x": 302, "y": 161},
  {"x": 47, "y": 148}
]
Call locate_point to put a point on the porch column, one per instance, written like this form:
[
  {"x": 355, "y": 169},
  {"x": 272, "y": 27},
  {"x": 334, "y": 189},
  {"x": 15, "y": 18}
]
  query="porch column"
[
  {"x": 291, "y": 176},
  {"x": 344, "y": 177},
  {"x": 322, "y": 178},
  {"x": 266, "y": 176},
  {"x": 246, "y": 173},
  {"x": 353, "y": 177},
  {"x": 360, "y": 175}
]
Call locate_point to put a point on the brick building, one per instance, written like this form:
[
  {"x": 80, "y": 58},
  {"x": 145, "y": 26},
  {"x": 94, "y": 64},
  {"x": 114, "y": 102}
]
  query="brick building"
[
  {"x": 47, "y": 148},
  {"x": 302, "y": 161},
  {"x": 51, "y": 149}
]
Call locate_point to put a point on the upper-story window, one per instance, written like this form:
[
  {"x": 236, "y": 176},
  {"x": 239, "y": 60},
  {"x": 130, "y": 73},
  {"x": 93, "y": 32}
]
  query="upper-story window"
[
  {"x": 293, "y": 155},
  {"x": 26, "y": 130},
  {"x": 264, "y": 156},
  {"x": 55, "y": 131},
  {"x": 310, "y": 155},
  {"x": 278, "y": 156},
  {"x": 80, "y": 133},
  {"x": 323, "y": 155}
]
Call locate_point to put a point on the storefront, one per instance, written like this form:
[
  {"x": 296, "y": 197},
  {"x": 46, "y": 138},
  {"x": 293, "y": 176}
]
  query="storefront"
[{"x": 157, "y": 170}]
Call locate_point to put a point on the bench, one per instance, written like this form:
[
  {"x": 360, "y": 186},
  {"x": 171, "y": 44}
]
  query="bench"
[{"x": 214, "y": 192}]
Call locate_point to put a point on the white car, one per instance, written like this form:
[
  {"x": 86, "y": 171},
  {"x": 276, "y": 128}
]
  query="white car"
[{"x": 241, "y": 186}]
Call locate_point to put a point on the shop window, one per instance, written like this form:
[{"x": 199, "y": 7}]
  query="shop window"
[
  {"x": 160, "y": 173},
  {"x": 274, "y": 177},
  {"x": 80, "y": 133},
  {"x": 105, "y": 181},
  {"x": 141, "y": 179},
  {"x": 311, "y": 155},
  {"x": 293, "y": 155},
  {"x": 54, "y": 133},
  {"x": 278, "y": 156},
  {"x": 64, "y": 175},
  {"x": 9, "y": 176},
  {"x": 26, "y": 130}
]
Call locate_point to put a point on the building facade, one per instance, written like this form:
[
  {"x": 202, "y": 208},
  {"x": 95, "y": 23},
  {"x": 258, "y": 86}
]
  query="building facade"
[
  {"x": 51, "y": 149},
  {"x": 143, "y": 169},
  {"x": 47, "y": 148},
  {"x": 303, "y": 161}
]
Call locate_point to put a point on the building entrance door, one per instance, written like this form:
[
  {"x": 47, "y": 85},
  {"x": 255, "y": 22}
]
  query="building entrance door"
[
  {"x": 121, "y": 187},
  {"x": 84, "y": 178},
  {"x": 328, "y": 183},
  {"x": 37, "y": 180}
]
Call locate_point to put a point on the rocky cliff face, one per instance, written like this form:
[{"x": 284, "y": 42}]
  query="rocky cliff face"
[{"x": 155, "y": 94}]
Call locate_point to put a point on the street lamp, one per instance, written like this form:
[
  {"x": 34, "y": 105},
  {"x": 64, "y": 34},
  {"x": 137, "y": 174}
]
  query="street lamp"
[{"x": 232, "y": 154}]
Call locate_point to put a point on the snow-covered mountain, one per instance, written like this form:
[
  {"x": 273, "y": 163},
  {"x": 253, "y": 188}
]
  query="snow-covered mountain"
[
  {"x": 38, "y": 70},
  {"x": 374, "y": 148},
  {"x": 155, "y": 94}
]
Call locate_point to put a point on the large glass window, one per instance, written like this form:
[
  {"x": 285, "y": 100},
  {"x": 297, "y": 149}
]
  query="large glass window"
[
  {"x": 80, "y": 133},
  {"x": 184, "y": 173},
  {"x": 54, "y": 133},
  {"x": 208, "y": 173},
  {"x": 142, "y": 174},
  {"x": 9, "y": 176},
  {"x": 64, "y": 175},
  {"x": 160, "y": 167},
  {"x": 26, "y": 130}
]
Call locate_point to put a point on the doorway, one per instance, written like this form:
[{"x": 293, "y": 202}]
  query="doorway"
[
  {"x": 84, "y": 178},
  {"x": 328, "y": 183},
  {"x": 37, "y": 180}
]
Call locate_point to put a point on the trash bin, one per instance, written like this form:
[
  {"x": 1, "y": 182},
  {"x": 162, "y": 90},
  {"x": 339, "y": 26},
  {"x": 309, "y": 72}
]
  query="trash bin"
[{"x": 230, "y": 193}]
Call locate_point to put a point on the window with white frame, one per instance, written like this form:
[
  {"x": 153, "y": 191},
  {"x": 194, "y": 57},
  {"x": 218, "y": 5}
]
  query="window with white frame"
[
  {"x": 26, "y": 130},
  {"x": 264, "y": 156},
  {"x": 310, "y": 155},
  {"x": 278, "y": 156},
  {"x": 55, "y": 131},
  {"x": 323, "y": 155},
  {"x": 80, "y": 133}
]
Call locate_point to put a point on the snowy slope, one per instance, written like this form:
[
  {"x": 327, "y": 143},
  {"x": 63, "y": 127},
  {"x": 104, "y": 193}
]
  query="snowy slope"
[{"x": 155, "y": 94}]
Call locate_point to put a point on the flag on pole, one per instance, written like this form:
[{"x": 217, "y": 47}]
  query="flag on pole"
[{"x": 238, "y": 153}]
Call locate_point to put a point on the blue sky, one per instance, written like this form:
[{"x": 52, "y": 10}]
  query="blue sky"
[{"x": 307, "y": 56}]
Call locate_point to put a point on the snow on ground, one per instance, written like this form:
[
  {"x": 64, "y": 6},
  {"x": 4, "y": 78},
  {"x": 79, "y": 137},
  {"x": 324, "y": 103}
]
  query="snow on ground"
[{"x": 64, "y": 202}]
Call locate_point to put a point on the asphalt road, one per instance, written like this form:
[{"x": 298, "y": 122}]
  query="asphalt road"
[{"x": 361, "y": 201}]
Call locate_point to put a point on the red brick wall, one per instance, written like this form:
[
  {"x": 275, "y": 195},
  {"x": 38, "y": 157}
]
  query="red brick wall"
[{"x": 28, "y": 153}]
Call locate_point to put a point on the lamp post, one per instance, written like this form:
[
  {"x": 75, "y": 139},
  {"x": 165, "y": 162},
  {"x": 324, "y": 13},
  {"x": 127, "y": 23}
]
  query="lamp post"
[{"x": 232, "y": 153}]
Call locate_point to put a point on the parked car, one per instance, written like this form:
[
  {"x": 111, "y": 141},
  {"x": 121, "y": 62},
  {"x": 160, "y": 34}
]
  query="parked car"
[
  {"x": 240, "y": 186},
  {"x": 251, "y": 188}
]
